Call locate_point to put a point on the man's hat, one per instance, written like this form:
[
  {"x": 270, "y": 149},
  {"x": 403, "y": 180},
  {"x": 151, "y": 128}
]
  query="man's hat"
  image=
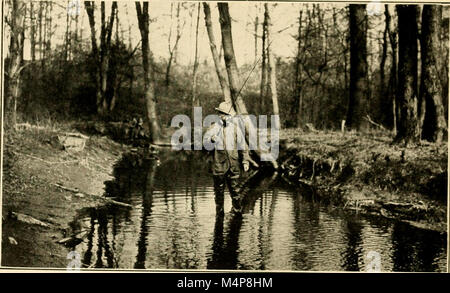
[{"x": 226, "y": 108}]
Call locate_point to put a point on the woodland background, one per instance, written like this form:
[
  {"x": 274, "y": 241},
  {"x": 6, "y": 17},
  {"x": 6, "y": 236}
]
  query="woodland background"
[{"x": 375, "y": 66}]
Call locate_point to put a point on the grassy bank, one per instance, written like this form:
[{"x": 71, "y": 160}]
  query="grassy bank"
[
  {"x": 368, "y": 174},
  {"x": 48, "y": 184}
]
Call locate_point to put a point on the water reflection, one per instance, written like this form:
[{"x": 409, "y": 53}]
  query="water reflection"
[{"x": 173, "y": 225}]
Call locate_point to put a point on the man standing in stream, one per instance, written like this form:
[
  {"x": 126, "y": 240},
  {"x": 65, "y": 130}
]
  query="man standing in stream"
[{"x": 227, "y": 157}]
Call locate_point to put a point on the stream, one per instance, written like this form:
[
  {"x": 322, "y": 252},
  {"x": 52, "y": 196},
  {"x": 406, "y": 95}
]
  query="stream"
[{"x": 173, "y": 225}]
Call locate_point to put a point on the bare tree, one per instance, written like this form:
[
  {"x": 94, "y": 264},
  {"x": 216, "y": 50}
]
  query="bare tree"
[
  {"x": 272, "y": 66},
  {"x": 408, "y": 124},
  {"x": 14, "y": 64},
  {"x": 256, "y": 38},
  {"x": 296, "y": 110},
  {"x": 67, "y": 42},
  {"x": 230, "y": 58},
  {"x": 149, "y": 73},
  {"x": 195, "y": 101},
  {"x": 32, "y": 32},
  {"x": 264, "y": 71},
  {"x": 40, "y": 18},
  {"x": 392, "y": 83},
  {"x": 173, "y": 48},
  {"x": 212, "y": 43},
  {"x": 102, "y": 54},
  {"x": 358, "y": 65},
  {"x": 434, "y": 126}
]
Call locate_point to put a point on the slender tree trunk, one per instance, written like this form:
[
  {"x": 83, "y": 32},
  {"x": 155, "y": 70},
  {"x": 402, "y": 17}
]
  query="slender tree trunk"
[
  {"x": 256, "y": 38},
  {"x": 32, "y": 32},
  {"x": 15, "y": 60},
  {"x": 212, "y": 43},
  {"x": 66, "y": 37},
  {"x": 264, "y": 72},
  {"x": 392, "y": 83},
  {"x": 149, "y": 78},
  {"x": 195, "y": 101},
  {"x": 50, "y": 28},
  {"x": 105, "y": 46},
  {"x": 435, "y": 126},
  {"x": 383, "y": 58},
  {"x": 102, "y": 54},
  {"x": 298, "y": 101},
  {"x": 272, "y": 66},
  {"x": 173, "y": 50},
  {"x": 230, "y": 59},
  {"x": 90, "y": 8},
  {"x": 358, "y": 66},
  {"x": 76, "y": 47},
  {"x": 40, "y": 18},
  {"x": 408, "y": 124}
]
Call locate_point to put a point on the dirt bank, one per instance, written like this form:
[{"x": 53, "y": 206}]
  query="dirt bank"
[
  {"x": 49, "y": 185},
  {"x": 366, "y": 173}
]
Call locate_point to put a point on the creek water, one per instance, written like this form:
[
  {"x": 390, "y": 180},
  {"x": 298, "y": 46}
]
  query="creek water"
[{"x": 172, "y": 225}]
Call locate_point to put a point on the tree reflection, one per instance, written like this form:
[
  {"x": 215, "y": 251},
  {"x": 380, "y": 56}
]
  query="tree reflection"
[
  {"x": 353, "y": 248},
  {"x": 147, "y": 200}
]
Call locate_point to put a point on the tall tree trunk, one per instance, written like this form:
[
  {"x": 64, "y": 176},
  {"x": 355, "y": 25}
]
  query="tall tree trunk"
[
  {"x": 408, "y": 124},
  {"x": 358, "y": 66},
  {"x": 382, "y": 88},
  {"x": 50, "y": 28},
  {"x": 445, "y": 27},
  {"x": 90, "y": 8},
  {"x": 173, "y": 50},
  {"x": 212, "y": 43},
  {"x": 40, "y": 18},
  {"x": 298, "y": 101},
  {"x": 32, "y": 32},
  {"x": 105, "y": 54},
  {"x": 434, "y": 126},
  {"x": 264, "y": 72},
  {"x": 256, "y": 39},
  {"x": 392, "y": 83},
  {"x": 66, "y": 37},
  {"x": 195, "y": 101},
  {"x": 230, "y": 58},
  {"x": 15, "y": 60},
  {"x": 102, "y": 54},
  {"x": 272, "y": 66},
  {"x": 149, "y": 78}
]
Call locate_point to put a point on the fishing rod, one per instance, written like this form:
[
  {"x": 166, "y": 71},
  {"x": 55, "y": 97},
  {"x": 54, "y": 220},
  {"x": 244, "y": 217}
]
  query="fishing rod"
[{"x": 248, "y": 77}]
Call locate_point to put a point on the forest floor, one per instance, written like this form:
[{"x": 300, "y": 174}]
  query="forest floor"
[
  {"x": 44, "y": 186},
  {"x": 368, "y": 174}
]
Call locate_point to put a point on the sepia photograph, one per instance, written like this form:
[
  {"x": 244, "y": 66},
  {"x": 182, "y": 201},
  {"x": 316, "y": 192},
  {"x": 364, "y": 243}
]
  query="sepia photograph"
[{"x": 224, "y": 136}]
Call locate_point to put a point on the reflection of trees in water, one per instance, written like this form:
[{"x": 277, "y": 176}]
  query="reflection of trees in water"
[
  {"x": 130, "y": 173},
  {"x": 416, "y": 250},
  {"x": 97, "y": 239},
  {"x": 88, "y": 254},
  {"x": 412, "y": 249},
  {"x": 147, "y": 201},
  {"x": 306, "y": 221},
  {"x": 102, "y": 232},
  {"x": 352, "y": 252}
]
